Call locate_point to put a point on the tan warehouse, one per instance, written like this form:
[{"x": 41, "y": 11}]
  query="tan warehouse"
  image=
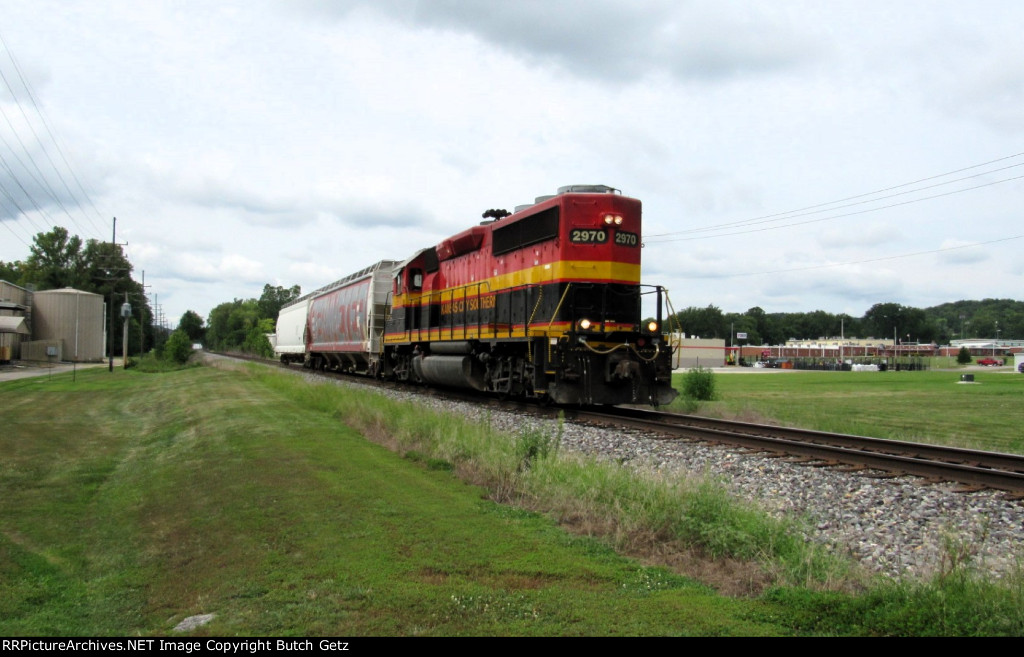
[
  {"x": 72, "y": 318},
  {"x": 63, "y": 325}
]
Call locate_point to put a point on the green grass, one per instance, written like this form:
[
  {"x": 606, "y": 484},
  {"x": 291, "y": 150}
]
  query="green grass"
[
  {"x": 129, "y": 501},
  {"x": 929, "y": 406}
]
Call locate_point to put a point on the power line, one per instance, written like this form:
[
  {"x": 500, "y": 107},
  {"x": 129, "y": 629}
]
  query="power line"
[
  {"x": 42, "y": 180},
  {"x": 41, "y": 112},
  {"x": 880, "y": 259},
  {"x": 7, "y": 224},
  {"x": 10, "y": 197},
  {"x": 825, "y": 207},
  {"x": 838, "y": 216}
]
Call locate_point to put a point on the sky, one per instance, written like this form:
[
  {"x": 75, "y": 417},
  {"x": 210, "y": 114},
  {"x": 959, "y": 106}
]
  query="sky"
[{"x": 791, "y": 155}]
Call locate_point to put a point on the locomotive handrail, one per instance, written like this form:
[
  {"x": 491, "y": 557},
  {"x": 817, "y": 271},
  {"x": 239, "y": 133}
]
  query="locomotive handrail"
[
  {"x": 568, "y": 286},
  {"x": 674, "y": 342},
  {"x": 561, "y": 301},
  {"x": 480, "y": 288},
  {"x": 536, "y": 306}
]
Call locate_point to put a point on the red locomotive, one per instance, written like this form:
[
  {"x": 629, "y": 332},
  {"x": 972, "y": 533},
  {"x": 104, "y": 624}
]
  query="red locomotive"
[{"x": 545, "y": 302}]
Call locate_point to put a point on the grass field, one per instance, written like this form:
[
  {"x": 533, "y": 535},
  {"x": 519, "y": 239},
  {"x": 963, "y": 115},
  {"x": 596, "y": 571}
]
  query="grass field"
[
  {"x": 130, "y": 501},
  {"x": 929, "y": 406}
]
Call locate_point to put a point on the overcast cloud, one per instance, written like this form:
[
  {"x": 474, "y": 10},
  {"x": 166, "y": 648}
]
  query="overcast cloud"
[{"x": 243, "y": 143}]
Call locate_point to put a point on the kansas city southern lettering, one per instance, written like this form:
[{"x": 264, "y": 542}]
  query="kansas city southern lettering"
[{"x": 471, "y": 305}]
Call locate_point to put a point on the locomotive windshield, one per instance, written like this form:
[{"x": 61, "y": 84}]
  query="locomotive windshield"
[{"x": 601, "y": 303}]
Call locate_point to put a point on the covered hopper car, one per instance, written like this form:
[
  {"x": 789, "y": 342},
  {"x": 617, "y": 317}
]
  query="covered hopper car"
[{"x": 339, "y": 326}]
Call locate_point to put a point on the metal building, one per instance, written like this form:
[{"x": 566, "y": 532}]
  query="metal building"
[
  {"x": 14, "y": 320},
  {"x": 73, "y": 317}
]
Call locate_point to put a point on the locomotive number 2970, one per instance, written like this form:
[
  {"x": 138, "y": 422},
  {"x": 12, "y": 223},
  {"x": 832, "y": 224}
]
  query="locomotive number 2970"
[
  {"x": 588, "y": 236},
  {"x": 626, "y": 239}
]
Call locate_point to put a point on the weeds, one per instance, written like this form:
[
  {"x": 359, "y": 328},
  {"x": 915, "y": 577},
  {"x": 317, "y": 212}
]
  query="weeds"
[
  {"x": 699, "y": 384},
  {"x": 151, "y": 364},
  {"x": 533, "y": 444},
  {"x": 502, "y": 605}
]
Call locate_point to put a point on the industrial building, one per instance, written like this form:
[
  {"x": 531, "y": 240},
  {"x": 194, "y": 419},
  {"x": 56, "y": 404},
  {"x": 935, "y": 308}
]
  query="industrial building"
[{"x": 53, "y": 325}]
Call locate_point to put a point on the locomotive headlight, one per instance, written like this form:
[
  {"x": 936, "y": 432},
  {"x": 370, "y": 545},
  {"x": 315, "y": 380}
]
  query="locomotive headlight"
[
  {"x": 618, "y": 220},
  {"x": 610, "y": 219},
  {"x": 585, "y": 324},
  {"x": 652, "y": 327}
]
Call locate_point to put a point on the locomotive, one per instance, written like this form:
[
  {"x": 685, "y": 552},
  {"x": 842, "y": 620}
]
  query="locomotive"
[{"x": 544, "y": 303}]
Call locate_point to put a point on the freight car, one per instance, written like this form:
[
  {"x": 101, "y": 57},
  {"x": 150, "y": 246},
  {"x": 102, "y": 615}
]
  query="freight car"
[
  {"x": 544, "y": 303},
  {"x": 290, "y": 345},
  {"x": 339, "y": 326}
]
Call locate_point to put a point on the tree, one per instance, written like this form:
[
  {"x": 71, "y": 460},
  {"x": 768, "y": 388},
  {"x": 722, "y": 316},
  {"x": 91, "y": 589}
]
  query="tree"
[
  {"x": 192, "y": 324},
  {"x": 178, "y": 347},
  {"x": 905, "y": 322},
  {"x": 704, "y": 322},
  {"x": 107, "y": 271},
  {"x": 55, "y": 261},
  {"x": 742, "y": 324},
  {"x": 964, "y": 357},
  {"x": 11, "y": 271},
  {"x": 763, "y": 329},
  {"x": 256, "y": 341},
  {"x": 231, "y": 322},
  {"x": 274, "y": 298}
]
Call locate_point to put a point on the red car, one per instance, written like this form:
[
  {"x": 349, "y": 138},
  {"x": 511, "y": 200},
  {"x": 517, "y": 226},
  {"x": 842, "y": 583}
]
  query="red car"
[{"x": 989, "y": 361}]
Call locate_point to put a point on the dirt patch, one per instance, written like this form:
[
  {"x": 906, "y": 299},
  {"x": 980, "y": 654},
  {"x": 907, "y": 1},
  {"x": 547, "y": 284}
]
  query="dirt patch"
[{"x": 730, "y": 577}]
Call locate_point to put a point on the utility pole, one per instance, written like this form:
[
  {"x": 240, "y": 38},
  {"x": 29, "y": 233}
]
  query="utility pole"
[
  {"x": 126, "y": 313},
  {"x": 110, "y": 326},
  {"x": 142, "y": 317},
  {"x": 112, "y": 277}
]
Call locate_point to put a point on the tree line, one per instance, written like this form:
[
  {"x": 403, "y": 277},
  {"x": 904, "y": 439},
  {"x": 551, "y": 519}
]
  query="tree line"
[
  {"x": 988, "y": 318},
  {"x": 242, "y": 324}
]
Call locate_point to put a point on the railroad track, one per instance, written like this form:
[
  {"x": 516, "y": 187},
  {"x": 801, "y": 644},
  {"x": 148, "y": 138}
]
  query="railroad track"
[
  {"x": 973, "y": 468},
  {"x": 934, "y": 462}
]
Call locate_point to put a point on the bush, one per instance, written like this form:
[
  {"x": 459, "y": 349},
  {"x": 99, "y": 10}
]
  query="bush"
[
  {"x": 699, "y": 384},
  {"x": 256, "y": 342},
  {"x": 964, "y": 357},
  {"x": 178, "y": 347}
]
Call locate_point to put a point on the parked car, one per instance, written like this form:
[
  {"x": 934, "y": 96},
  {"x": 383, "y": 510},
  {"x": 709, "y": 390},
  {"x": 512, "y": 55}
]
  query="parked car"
[{"x": 989, "y": 361}]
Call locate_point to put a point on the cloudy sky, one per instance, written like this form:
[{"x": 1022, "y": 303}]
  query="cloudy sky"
[{"x": 792, "y": 155}]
